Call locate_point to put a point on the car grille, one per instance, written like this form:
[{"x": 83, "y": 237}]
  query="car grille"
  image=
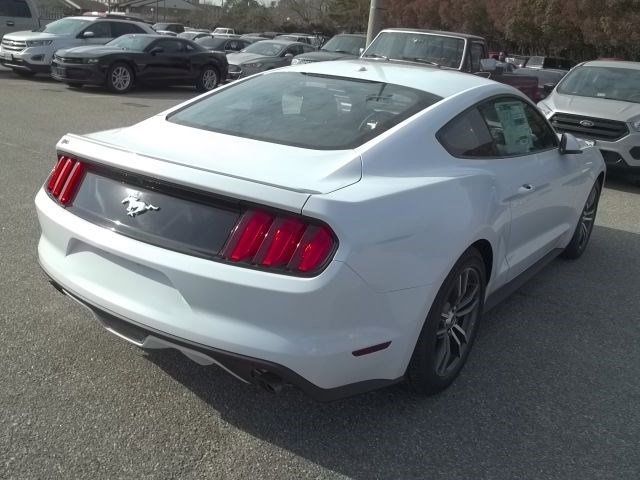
[
  {"x": 590, "y": 128},
  {"x": 13, "y": 45},
  {"x": 304, "y": 60},
  {"x": 68, "y": 60}
]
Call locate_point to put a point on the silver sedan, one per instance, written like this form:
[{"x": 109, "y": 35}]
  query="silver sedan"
[{"x": 264, "y": 55}]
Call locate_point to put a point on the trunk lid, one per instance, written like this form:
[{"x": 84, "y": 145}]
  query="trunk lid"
[{"x": 290, "y": 168}]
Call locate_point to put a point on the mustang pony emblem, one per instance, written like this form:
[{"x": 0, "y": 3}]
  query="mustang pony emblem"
[{"x": 137, "y": 206}]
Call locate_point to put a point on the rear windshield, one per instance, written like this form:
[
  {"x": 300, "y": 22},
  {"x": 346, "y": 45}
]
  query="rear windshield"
[
  {"x": 304, "y": 110},
  {"x": 612, "y": 83}
]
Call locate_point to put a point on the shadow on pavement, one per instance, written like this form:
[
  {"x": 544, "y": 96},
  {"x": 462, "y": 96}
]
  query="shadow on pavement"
[
  {"x": 139, "y": 92},
  {"x": 546, "y": 393},
  {"x": 623, "y": 181}
]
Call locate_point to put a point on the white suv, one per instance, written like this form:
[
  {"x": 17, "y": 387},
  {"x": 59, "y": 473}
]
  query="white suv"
[
  {"x": 28, "y": 53},
  {"x": 599, "y": 101}
]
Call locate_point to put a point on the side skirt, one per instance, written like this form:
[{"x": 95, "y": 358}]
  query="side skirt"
[{"x": 506, "y": 290}]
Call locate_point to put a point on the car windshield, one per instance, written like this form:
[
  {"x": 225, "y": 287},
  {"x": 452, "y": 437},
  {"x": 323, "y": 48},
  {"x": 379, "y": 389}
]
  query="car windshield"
[
  {"x": 418, "y": 47},
  {"x": 131, "y": 42},
  {"x": 212, "y": 42},
  {"x": 268, "y": 49},
  {"x": 344, "y": 44},
  {"x": 65, "y": 26},
  {"x": 310, "y": 111},
  {"x": 612, "y": 83}
]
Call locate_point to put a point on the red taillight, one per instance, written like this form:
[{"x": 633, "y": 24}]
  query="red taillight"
[
  {"x": 71, "y": 185},
  {"x": 279, "y": 242},
  {"x": 65, "y": 179},
  {"x": 315, "y": 246},
  {"x": 248, "y": 235}
]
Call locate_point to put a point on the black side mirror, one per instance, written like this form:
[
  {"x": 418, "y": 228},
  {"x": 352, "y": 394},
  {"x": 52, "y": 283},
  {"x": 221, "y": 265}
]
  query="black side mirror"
[
  {"x": 156, "y": 50},
  {"x": 569, "y": 145},
  {"x": 548, "y": 88}
]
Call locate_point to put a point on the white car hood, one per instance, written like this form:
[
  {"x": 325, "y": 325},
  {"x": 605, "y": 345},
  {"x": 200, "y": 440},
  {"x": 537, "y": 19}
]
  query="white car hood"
[
  {"x": 292, "y": 168},
  {"x": 27, "y": 35},
  {"x": 594, "y": 107}
]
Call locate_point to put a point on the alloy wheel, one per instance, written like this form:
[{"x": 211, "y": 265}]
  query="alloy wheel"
[
  {"x": 209, "y": 79},
  {"x": 587, "y": 218},
  {"x": 120, "y": 78},
  {"x": 457, "y": 321}
]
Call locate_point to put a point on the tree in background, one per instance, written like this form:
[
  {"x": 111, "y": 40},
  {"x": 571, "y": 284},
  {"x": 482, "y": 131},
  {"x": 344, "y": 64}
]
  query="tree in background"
[{"x": 581, "y": 29}]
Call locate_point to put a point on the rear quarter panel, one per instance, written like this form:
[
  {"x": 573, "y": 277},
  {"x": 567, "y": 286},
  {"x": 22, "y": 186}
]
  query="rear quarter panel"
[{"x": 416, "y": 209}]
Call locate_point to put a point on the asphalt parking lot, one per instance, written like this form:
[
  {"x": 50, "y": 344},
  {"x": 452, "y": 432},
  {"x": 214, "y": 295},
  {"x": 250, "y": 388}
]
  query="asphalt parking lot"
[{"x": 551, "y": 390}]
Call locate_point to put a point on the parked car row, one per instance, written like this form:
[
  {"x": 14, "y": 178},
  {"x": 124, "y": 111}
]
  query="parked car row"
[{"x": 598, "y": 101}]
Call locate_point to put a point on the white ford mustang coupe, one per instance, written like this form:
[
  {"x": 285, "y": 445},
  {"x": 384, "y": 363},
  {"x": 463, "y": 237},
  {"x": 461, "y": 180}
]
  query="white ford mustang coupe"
[{"x": 336, "y": 226}]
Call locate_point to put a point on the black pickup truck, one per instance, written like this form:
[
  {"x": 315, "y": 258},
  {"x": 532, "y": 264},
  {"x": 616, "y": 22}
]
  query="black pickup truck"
[{"x": 457, "y": 51}]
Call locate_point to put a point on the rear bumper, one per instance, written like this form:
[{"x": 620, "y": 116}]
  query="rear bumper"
[
  {"x": 248, "y": 369},
  {"x": 303, "y": 330}
]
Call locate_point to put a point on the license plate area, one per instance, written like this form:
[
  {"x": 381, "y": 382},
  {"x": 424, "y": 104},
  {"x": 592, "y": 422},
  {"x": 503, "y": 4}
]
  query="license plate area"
[{"x": 154, "y": 213}]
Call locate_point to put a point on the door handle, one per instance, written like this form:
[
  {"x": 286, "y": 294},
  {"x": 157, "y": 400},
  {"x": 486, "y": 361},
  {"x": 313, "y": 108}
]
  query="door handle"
[
  {"x": 10, "y": 23},
  {"x": 527, "y": 188}
]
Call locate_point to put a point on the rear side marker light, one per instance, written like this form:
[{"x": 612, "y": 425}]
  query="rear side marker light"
[
  {"x": 65, "y": 179},
  {"x": 274, "y": 241}
]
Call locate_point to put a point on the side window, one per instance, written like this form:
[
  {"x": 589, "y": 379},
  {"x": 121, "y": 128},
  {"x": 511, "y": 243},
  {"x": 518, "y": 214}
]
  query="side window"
[
  {"x": 477, "y": 54},
  {"x": 294, "y": 50},
  {"x": 170, "y": 46},
  {"x": 516, "y": 128},
  {"x": 123, "y": 28},
  {"x": 100, "y": 29},
  {"x": 232, "y": 45},
  {"x": 308, "y": 48},
  {"x": 467, "y": 135},
  {"x": 14, "y": 8}
]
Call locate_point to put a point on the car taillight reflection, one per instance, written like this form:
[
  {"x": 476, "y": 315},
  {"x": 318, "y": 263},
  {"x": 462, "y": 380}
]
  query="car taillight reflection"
[{"x": 275, "y": 241}]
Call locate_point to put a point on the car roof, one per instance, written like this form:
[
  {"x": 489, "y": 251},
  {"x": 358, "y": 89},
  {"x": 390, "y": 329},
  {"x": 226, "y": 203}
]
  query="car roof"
[
  {"x": 155, "y": 35},
  {"x": 435, "y": 32},
  {"x": 359, "y": 35},
  {"x": 93, "y": 18},
  {"x": 283, "y": 42},
  {"x": 441, "y": 82},
  {"x": 612, "y": 63}
]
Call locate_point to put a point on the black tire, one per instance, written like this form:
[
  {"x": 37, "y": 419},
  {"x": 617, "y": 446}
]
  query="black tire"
[
  {"x": 582, "y": 233},
  {"x": 208, "y": 79},
  {"x": 75, "y": 85},
  {"x": 430, "y": 371},
  {"x": 120, "y": 78},
  {"x": 23, "y": 73}
]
